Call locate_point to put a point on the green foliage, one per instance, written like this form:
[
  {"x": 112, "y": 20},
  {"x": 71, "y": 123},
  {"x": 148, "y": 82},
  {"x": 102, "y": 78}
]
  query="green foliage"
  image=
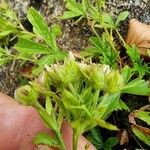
[
  {"x": 40, "y": 54},
  {"x": 78, "y": 99},
  {"x": 111, "y": 23},
  {"x": 95, "y": 137},
  {"x": 44, "y": 138},
  {"x": 75, "y": 9},
  {"x": 110, "y": 143},
  {"x": 84, "y": 94},
  {"x": 101, "y": 49},
  {"x": 138, "y": 65}
]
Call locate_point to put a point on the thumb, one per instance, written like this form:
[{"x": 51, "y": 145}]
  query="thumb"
[{"x": 19, "y": 125}]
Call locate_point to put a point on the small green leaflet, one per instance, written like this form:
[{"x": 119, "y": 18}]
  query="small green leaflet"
[
  {"x": 108, "y": 21},
  {"x": 44, "y": 138},
  {"x": 110, "y": 143},
  {"x": 6, "y": 28},
  {"x": 48, "y": 60},
  {"x": 74, "y": 9},
  {"x": 122, "y": 16},
  {"x": 41, "y": 28}
]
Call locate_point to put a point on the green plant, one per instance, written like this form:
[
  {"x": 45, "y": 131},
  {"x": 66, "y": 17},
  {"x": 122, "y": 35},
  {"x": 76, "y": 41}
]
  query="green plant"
[
  {"x": 83, "y": 93},
  {"x": 101, "y": 50},
  {"x": 96, "y": 138},
  {"x": 72, "y": 92},
  {"x": 138, "y": 66},
  {"x": 83, "y": 9},
  {"x": 46, "y": 52}
]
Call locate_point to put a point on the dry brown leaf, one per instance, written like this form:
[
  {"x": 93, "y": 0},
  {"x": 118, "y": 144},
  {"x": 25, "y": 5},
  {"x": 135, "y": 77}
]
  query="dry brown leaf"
[
  {"x": 124, "y": 138},
  {"x": 139, "y": 34},
  {"x": 132, "y": 117},
  {"x": 144, "y": 130}
]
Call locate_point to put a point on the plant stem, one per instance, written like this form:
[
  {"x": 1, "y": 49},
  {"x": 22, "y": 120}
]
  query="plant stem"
[
  {"x": 120, "y": 37},
  {"x": 75, "y": 140},
  {"x": 59, "y": 137}
]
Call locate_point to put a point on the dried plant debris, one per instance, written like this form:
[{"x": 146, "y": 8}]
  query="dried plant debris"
[
  {"x": 143, "y": 133},
  {"x": 139, "y": 34}
]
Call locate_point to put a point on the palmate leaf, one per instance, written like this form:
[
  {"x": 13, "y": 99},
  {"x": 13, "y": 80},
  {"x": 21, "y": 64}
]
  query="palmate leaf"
[
  {"x": 41, "y": 28},
  {"x": 137, "y": 87},
  {"x": 100, "y": 48}
]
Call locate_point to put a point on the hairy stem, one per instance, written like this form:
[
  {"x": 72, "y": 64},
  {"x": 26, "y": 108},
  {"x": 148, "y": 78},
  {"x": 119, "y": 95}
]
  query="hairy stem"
[{"x": 75, "y": 140}]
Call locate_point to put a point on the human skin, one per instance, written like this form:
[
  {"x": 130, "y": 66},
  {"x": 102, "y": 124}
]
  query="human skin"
[{"x": 19, "y": 124}]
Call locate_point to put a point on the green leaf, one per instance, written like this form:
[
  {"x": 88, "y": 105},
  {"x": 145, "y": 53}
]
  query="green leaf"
[
  {"x": 30, "y": 47},
  {"x": 110, "y": 143},
  {"x": 143, "y": 115},
  {"x": 94, "y": 136},
  {"x": 85, "y": 5},
  {"x": 126, "y": 72},
  {"x": 40, "y": 28},
  {"x": 122, "y": 16},
  {"x": 49, "y": 121},
  {"x": 6, "y": 28},
  {"x": 108, "y": 21},
  {"x": 105, "y": 124},
  {"x": 3, "y": 61},
  {"x": 114, "y": 82},
  {"x": 138, "y": 87},
  {"x": 48, "y": 105},
  {"x": 109, "y": 102},
  {"x": 74, "y": 6},
  {"x": 141, "y": 136},
  {"x": 101, "y": 49},
  {"x": 26, "y": 95},
  {"x": 70, "y": 14},
  {"x": 74, "y": 9},
  {"x": 122, "y": 106},
  {"x": 45, "y": 139},
  {"x": 5, "y": 33},
  {"x": 69, "y": 99},
  {"x": 48, "y": 60}
]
